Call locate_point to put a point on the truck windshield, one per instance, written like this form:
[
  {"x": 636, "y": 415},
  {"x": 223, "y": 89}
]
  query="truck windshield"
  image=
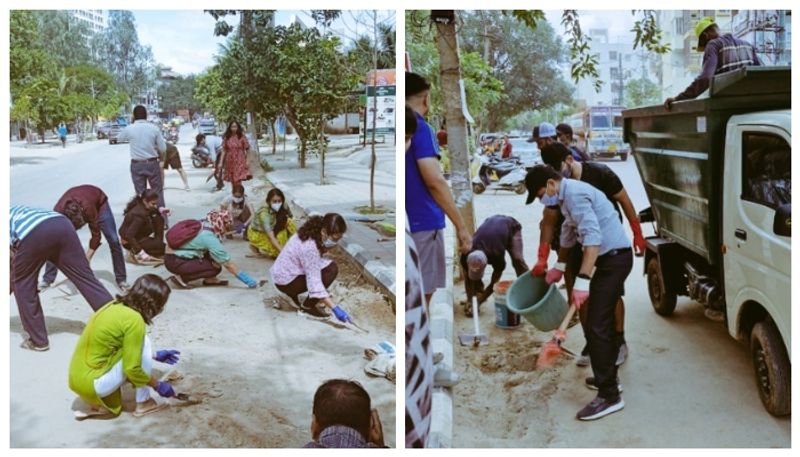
[
  {"x": 600, "y": 121},
  {"x": 618, "y": 121}
]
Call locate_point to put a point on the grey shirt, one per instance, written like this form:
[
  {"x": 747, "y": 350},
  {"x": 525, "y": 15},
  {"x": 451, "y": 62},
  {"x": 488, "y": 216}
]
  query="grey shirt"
[
  {"x": 214, "y": 145},
  {"x": 145, "y": 138},
  {"x": 589, "y": 218}
]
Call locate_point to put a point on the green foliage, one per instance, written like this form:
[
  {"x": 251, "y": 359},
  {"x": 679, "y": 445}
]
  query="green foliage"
[
  {"x": 325, "y": 17},
  {"x": 648, "y": 33},
  {"x": 641, "y": 92},
  {"x": 530, "y": 18},
  {"x": 584, "y": 63},
  {"x": 64, "y": 37},
  {"x": 483, "y": 90},
  {"x": 179, "y": 94}
]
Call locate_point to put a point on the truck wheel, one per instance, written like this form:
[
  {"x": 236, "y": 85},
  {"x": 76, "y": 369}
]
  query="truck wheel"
[
  {"x": 773, "y": 370},
  {"x": 663, "y": 300},
  {"x": 520, "y": 189},
  {"x": 478, "y": 187},
  {"x": 623, "y": 157}
]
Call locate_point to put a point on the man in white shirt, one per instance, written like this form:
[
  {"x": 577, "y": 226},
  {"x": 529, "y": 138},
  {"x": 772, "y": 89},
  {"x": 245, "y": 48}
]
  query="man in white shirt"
[{"x": 146, "y": 146}]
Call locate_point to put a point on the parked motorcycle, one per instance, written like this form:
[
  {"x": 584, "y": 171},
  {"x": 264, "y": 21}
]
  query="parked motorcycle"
[
  {"x": 496, "y": 174},
  {"x": 201, "y": 157}
]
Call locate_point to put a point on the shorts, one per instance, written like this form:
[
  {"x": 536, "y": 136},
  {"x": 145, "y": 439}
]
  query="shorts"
[
  {"x": 174, "y": 162},
  {"x": 430, "y": 246},
  {"x": 574, "y": 261}
]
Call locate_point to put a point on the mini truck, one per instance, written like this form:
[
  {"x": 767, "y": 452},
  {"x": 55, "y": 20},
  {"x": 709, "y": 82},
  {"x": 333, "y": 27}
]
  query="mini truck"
[{"x": 717, "y": 173}]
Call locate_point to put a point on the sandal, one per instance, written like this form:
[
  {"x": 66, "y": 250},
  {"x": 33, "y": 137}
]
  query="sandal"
[
  {"x": 97, "y": 413},
  {"x": 143, "y": 412},
  {"x": 212, "y": 284},
  {"x": 28, "y": 344},
  {"x": 177, "y": 282}
]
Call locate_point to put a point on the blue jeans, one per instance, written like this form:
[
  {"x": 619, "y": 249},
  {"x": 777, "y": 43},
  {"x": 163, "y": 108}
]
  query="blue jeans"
[{"x": 109, "y": 229}]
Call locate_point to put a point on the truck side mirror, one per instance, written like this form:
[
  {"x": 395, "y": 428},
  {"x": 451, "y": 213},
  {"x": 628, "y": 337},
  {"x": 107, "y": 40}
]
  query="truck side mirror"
[{"x": 783, "y": 220}]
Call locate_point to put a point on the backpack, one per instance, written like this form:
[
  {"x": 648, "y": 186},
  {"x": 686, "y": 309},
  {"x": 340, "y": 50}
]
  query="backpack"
[{"x": 183, "y": 232}]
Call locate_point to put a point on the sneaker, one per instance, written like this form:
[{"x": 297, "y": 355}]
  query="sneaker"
[
  {"x": 583, "y": 361},
  {"x": 44, "y": 285},
  {"x": 443, "y": 377},
  {"x": 28, "y": 344},
  {"x": 600, "y": 407},
  {"x": 622, "y": 355},
  {"x": 123, "y": 286},
  {"x": 315, "y": 311},
  {"x": 589, "y": 382}
]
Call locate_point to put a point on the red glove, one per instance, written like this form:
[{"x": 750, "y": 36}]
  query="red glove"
[
  {"x": 580, "y": 292},
  {"x": 639, "y": 244},
  {"x": 541, "y": 265},
  {"x": 556, "y": 273}
]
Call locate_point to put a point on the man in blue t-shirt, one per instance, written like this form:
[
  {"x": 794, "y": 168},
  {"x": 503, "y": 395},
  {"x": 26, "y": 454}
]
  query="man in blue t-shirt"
[{"x": 428, "y": 196}]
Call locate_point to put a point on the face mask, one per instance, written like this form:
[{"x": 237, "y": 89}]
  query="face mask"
[
  {"x": 566, "y": 172},
  {"x": 238, "y": 199},
  {"x": 329, "y": 243},
  {"x": 549, "y": 200},
  {"x": 276, "y": 206}
]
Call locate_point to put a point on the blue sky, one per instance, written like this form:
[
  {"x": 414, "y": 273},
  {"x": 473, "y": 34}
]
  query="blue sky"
[{"x": 185, "y": 41}]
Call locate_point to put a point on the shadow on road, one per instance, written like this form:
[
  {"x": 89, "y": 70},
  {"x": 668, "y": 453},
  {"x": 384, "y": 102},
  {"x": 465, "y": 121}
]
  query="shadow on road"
[{"x": 28, "y": 160}]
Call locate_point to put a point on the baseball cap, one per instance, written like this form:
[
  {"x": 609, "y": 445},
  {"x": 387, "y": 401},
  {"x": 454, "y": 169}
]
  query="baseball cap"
[
  {"x": 537, "y": 179},
  {"x": 476, "y": 263},
  {"x": 546, "y": 129},
  {"x": 701, "y": 27}
]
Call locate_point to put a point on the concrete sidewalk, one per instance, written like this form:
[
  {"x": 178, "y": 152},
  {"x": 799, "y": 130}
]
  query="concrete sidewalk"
[{"x": 347, "y": 188}]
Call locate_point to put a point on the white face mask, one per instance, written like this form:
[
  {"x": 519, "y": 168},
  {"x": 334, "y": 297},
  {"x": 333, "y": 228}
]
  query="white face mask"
[
  {"x": 276, "y": 206},
  {"x": 238, "y": 199},
  {"x": 329, "y": 243}
]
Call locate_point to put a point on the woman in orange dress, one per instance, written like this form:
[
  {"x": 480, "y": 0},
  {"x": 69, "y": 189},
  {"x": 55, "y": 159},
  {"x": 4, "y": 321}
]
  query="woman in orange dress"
[{"x": 234, "y": 155}]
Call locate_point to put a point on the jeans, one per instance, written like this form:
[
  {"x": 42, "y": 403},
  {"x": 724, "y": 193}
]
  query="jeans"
[
  {"x": 109, "y": 228},
  {"x": 144, "y": 173}
]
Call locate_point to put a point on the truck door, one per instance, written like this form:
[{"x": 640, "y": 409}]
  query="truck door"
[{"x": 758, "y": 262}]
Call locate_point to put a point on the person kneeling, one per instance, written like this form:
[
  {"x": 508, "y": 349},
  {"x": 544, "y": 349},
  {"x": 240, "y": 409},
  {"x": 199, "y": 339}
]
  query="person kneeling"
[{"x": 114, "y": 348}]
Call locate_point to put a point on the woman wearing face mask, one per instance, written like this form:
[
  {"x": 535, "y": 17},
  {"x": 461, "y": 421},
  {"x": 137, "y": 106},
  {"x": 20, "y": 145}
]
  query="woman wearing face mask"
[
  {"x": 272, "y": 225},
  {"x": 142, "y": 229},
  {"x": 300, "y": 266},
  {"x": 240, "y": 209},
  {"x": 114, "y": 348}
]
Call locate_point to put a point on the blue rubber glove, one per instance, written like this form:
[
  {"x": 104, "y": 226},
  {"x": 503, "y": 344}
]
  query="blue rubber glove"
[
  {"x": 165, "y": 389},
  {"x": 245, "y": 278},
  {"x": 169, "y": 356},
  {"x": 341, "y": 314}
]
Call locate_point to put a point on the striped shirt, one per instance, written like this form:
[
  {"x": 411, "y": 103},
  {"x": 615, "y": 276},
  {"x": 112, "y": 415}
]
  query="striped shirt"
[
  {"x": 23, "y": 220},
  {"x": 722, "y": 54}
]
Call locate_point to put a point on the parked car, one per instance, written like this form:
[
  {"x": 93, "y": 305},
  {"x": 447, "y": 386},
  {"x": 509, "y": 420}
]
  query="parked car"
[
  {"x": 102, "y": 130},
  {"x": 113, "y": 133},
  {"x": 207, "y": 127}
]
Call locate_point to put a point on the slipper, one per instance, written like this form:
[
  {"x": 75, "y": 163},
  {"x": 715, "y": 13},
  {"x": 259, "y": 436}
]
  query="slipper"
[
  {"x": 212, "y": 284},
  {"x": 158, "y": 407},
  {"x": 178, "y": 283},
  {"x": 28, "y": 344},
  {"x": 82, "y": 415}
]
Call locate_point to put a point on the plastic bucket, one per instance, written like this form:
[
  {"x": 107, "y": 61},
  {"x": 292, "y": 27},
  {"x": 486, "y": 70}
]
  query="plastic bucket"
[
  {"x": 504, "y": 318},
  {"x": 541, "y": 304}
]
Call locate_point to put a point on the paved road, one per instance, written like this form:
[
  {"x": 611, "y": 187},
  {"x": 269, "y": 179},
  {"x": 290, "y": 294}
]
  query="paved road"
[{"x": 687, "y": 383}]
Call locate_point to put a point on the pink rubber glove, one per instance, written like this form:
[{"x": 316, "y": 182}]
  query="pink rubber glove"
[
  {"x": 556, "y": 273},
  {"x": 580, "y": 292},
  {"x": 639, "y": 244},
  {"x": 541, "y": 262}
]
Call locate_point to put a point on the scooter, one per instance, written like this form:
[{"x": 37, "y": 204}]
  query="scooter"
[
  {"x": 509, "y": 173},
  {"x": 201, "y": 158}
]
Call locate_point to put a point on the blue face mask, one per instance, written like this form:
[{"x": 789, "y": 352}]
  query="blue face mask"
[
  {"x": 549, "y": 200},
  {"x": 329, "y": 243}
]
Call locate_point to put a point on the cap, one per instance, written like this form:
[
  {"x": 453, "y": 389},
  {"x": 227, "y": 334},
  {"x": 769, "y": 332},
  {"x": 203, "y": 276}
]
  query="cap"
[
  {"x": 701, "y": 27},
  {"x": 537, "y": 179},
  {"x": 546, "y": 129},
  {"x": 476, "y": 263}
]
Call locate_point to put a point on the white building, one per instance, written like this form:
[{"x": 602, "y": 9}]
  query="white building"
[
  {"x": 97, "y": 20},
  {"x": 618, "y": 63}
]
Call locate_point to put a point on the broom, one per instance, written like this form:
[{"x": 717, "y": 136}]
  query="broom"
[{"x": 552, "y": 349}]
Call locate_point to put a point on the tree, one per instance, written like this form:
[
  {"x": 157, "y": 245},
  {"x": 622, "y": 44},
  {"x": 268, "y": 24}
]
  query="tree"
[
  {"x": 65, "y": 37},
  {"x": 179, "y": 94},
  {"x": 641, "y": 92}
]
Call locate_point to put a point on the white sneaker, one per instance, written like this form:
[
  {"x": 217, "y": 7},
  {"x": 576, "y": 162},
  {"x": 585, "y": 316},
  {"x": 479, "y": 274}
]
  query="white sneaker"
[{"x": 622, "y": 355}]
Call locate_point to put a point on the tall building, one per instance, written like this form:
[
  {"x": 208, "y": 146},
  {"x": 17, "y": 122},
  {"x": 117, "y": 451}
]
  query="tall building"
[
  {"x": 768, "y": 30},
  {"x": 95, "y": 19},
  {"x": 618, "y": 64}
]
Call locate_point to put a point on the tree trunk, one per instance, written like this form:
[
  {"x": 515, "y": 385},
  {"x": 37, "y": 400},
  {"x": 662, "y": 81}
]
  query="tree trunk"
[
  {"x": 323, "y": 147},
  {"x": 374, "y": 110},
  {"x": 274, "y": 135},
  {"x": 447, "y": 44}
]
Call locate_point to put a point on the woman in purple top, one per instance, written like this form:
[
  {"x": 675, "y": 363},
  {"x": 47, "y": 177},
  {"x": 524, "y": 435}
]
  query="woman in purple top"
[{"x": 300, "y": 266}]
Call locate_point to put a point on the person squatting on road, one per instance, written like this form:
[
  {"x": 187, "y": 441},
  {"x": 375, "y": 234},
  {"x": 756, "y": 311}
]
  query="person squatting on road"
[
  {"x": 142, "y": 229},
  {"x": 428, "y": 196},
  {"x": 241, "y": 210},
  {"x": 173, "y": 159},
  {"x": 721, "y": 54},
  {"x": 146, "y": 145},
  {"x": 589, "y": 218},
  {"x": 234, "y": 155},
  {"x": 211, "y": 145},
  {"x": 37, "y": 236},
  {"x": 272, "y": 225},
  {"x": 300, "y": 267},
  {"x": 114, "y": 348},
  {"x": 199, "y": 253},
  {"x": 342, "y": 417},
  {"x": 602, "y": 178},
  {"x": 88, "y": 204},
  {"x": 496, "y": 236}
]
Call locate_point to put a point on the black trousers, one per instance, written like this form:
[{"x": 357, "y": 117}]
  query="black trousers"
[
  {"x": 191, "y": 269},
  {"x": 53, "y": 240},
  {"x": 606, "y": 287},
  {"x": 298, "y": 285}
]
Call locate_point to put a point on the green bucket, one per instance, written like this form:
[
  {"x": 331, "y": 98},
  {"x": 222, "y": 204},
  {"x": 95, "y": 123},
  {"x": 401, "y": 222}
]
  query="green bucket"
[{"x": 541, "y": 304}]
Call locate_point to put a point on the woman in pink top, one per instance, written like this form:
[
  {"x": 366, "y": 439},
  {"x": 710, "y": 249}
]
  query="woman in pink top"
[
  {"x": 234, "y": 155},
  {"x": 300, "y": 266}
]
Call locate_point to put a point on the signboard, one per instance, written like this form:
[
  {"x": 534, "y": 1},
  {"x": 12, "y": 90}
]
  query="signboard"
[{"x": 381, "y": 84}]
